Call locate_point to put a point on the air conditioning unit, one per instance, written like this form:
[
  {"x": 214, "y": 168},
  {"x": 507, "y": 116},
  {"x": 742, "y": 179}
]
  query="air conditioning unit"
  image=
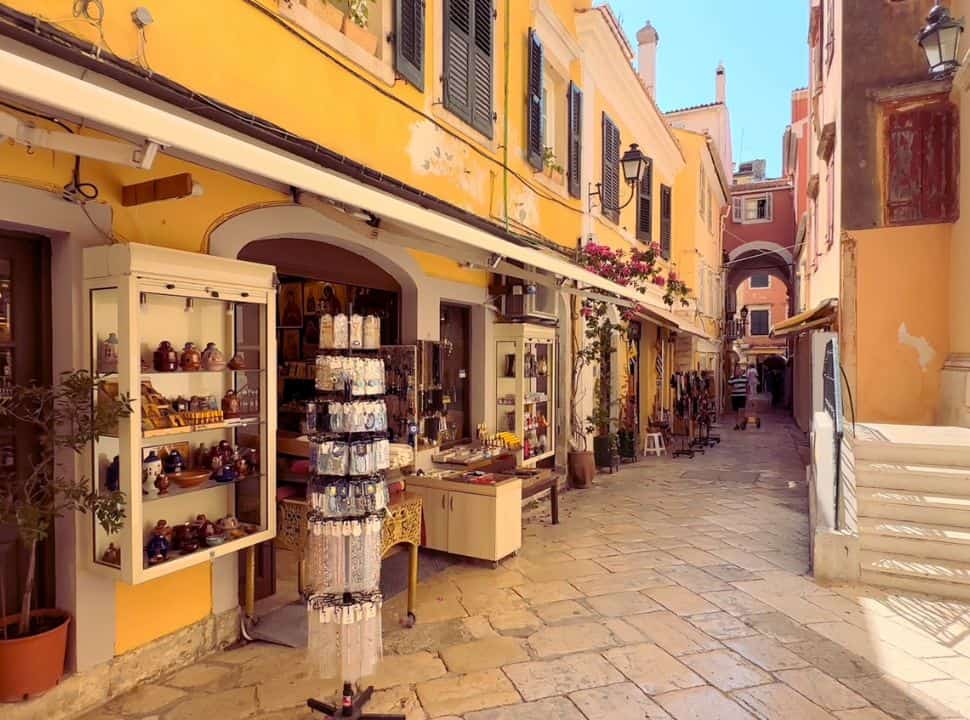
[{"x": 530, "y": 303}]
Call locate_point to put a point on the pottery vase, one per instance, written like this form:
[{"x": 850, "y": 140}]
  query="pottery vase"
[
  {"x": 191, "y": 358},
  {"x": 213, "y": 359},
  {"x": 230, "y": 405},
  {"x": 166, "y": 359},
  {"x": 237, "y": 362}
]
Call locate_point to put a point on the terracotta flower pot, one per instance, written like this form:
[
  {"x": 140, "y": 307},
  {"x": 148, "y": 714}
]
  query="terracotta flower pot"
[
  {"x": 581, "y": 469},
  {"x": 34, "y": 664}
]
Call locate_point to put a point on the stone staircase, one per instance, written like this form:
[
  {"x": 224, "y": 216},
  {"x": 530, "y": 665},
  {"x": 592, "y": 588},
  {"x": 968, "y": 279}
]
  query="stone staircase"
[{"x": 913, "y": 508}]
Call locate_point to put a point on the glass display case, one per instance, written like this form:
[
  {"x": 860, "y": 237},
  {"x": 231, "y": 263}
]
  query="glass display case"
[
  {"x": 525, "y": 384},
  {"x": 188, "y": 338}
]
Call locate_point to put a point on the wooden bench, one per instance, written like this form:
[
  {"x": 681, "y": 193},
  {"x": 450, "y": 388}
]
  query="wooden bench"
[{"x": 547, "y": 480}]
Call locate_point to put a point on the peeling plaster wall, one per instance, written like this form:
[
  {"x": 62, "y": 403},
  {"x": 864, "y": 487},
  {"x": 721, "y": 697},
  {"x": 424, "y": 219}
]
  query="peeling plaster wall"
[{"x": 902, "y": 329}]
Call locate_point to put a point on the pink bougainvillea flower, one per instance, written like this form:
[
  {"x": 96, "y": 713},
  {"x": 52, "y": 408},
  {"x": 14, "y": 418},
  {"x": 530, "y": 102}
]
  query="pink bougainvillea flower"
[{"x": 659, "y": 281}]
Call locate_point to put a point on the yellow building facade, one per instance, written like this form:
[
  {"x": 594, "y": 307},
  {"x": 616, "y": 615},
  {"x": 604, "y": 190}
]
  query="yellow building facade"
[{"x": 292, "y": 124}]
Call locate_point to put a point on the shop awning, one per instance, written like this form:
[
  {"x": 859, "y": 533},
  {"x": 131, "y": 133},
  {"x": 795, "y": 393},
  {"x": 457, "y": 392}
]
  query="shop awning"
[
  {"x": 103, "y": 103},
  {"x": 821, "y": 316}
]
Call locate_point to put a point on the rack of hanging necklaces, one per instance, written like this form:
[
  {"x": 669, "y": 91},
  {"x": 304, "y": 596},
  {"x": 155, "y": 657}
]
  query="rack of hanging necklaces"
[
  {"x": 349, "y": 452},
  {"x": 694, "y": 413}
]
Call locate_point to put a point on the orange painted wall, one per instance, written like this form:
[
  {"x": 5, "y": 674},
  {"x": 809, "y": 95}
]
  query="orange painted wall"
[{"x": 902, "y": 303}]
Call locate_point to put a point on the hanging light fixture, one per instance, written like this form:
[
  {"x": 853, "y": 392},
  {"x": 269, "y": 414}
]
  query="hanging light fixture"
[{"x": 940, "y": 40}]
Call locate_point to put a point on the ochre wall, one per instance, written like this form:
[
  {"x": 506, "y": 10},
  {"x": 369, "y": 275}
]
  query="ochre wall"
[{"x": 902, "y": 329}]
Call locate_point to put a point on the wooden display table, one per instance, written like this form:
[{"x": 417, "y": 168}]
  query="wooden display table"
[
  {"x": 538, "y": 480},
  {"x": 402, "y": 526}
]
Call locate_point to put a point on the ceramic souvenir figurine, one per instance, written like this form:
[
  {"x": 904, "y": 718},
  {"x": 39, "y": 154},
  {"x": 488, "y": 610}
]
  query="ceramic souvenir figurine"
[
  {"x": 213, "y": 358},
  {"x": 227, "y": 473},
  {"x": 224, "y": 450},
  {"x": 230, "y": 405},
  {"x": 203, "y": 456},
  {"x": 112, "y": 555},
  {"x": 180, "y": 405},
  {"x": 151, "y": 468},
  {"x": 229, "y": 522},
  {"x": 162, "y": 483},
  {"x": 241, "y": 465},
  {"x": 158, "y": 545},
  {"x": 237, "y": 362},
  {"x": 204, "y": 527},
  {"x": 174, "y": 462},
  {"x": 108, "y": 354},
  {"x": 166, "y": 359},
  {"x": 184, "y": 538},
  {"x": 112, "y": 480},
  {"x": 191, "y": 358}
]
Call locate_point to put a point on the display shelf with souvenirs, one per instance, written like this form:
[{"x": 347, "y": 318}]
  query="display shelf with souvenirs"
[
  {"x": 188, "y": 338},
  {"x": 525, "y": 388}
]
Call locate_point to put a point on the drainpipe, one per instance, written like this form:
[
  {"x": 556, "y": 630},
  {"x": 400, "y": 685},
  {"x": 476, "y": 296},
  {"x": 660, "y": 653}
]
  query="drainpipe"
[{"x": 505, "y": 122}]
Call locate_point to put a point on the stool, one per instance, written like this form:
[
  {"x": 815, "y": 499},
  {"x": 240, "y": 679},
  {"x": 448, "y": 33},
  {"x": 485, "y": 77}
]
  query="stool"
[{"x": 653, "y": 443}]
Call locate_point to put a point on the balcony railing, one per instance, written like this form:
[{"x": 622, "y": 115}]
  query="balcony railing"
[{"x": 735, "y": 328}]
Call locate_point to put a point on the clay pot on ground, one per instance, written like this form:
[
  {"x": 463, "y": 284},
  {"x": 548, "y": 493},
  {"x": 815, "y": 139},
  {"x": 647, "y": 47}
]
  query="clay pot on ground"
[
  {"x": 33, "y": 664},
  {"x": 581, "y": 468}
]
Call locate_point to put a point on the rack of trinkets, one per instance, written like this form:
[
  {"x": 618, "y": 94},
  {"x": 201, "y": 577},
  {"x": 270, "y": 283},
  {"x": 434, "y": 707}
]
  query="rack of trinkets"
[{"x": 349, "y": 454}]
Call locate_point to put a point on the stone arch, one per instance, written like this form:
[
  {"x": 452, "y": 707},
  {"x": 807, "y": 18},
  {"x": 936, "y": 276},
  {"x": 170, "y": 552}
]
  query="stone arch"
[
  {"x": 757, "y": 257},
  {"x": 297, "y": 222}
]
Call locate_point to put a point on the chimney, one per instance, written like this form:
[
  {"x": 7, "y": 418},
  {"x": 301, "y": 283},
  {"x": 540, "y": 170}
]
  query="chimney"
[
  {"x": 721, "y": 84},
  {"x": 648, "y": 39}
]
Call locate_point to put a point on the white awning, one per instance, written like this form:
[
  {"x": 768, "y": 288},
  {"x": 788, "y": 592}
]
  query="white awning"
[{"x": 103, "y": 103}]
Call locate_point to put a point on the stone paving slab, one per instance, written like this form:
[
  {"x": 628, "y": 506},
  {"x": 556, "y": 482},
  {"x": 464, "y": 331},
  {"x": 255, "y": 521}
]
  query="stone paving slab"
[{"x": 672, "y": 590}]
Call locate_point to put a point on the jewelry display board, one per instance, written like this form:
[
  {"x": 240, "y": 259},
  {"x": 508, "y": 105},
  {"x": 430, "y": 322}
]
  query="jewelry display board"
[{"x": 347, "y": 496}]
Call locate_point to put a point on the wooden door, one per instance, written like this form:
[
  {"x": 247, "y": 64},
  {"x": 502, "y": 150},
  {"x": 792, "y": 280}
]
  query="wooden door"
[
  {"x": 436, "y": 520},
  {"x": 471, "y": 525},
  {"x": 24, "y": 357}
]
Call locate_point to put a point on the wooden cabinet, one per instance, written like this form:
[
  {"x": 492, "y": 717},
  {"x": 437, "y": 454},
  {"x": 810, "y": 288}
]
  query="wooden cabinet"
[{"x": 478, "y": 521}]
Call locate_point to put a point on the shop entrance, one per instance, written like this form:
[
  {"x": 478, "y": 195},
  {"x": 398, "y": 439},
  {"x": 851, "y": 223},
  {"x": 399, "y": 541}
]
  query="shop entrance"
[{"x": 25, "y": 356}]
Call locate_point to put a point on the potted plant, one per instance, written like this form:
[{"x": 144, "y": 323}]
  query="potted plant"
[
  {"x": 355, "y": 25},
  {"x": 626, "y": 436},
  {"x": 552, "y": 166},
  {"x": 64, "y": 418},
  {"x": 601, "y": 421}
]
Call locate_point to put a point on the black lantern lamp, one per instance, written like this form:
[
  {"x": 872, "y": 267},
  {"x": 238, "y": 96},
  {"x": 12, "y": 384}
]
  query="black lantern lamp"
[
  {"x": 940, "y": 40},
  {"x": 634, "y": 165}
]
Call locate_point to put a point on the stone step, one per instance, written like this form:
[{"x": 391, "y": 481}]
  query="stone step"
[
  {"x": 933, "y": 508},
  {"x": 944, "y": 578},
  {"x": 889, "y": 543},
  {"x": 913, "y": 444},
  {"x": 915, "y": 478}
]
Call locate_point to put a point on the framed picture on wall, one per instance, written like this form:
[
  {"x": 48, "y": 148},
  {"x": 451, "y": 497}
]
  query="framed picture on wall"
[
  {"x": 290, "y": 344},
  {"x": 311, "y": 336},
  {"x": 291, "y": 305}
]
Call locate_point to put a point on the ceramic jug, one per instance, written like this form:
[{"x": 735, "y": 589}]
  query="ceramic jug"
[
  {"x": 230, "y": 405},
  {"x": 108, "y": 354},
  {"x": 151, "y": 468},
  {"x": 165, "y": 357},
  {"x": 191, "y": 358},
  {"x": 237, "y": 361},
  {"x": 213, "y": 358}
]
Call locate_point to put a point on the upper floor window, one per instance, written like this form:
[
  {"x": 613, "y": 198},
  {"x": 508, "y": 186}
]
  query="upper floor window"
[
  {"x": 922, "y": 165},
  {"x": 548, "y": 108},
  {"x": 829, "y": 32},
  {"x": 468, "y": 57},
  {"x": 760, "y": 281},
  {"x": 645, "y": 205},
  {"x": 752, "y": 208},
  {"x": 760, "y": 322},
  {"x": 409, "y": 41},
  {"x": 710, "y": 213},
  {"x": 702, "y": 193},
  {"x": 610, "y": 187},
  {"x": 666, "y": 221}
]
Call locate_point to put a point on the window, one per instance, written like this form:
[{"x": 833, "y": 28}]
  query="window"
[
  {"x": 710, "y": 213},
  {"x": 752, "y": 209},
  {"x": 702, "y": 193},
  {"x": 829, "y": 32},
  {"x": 760, "y": 281},
  {"x": 574, "y": 170},
  {"x": 645, "y": 205},
  {"x": 610, "y": 188},
  {"x": 922, "y": 165},
  {"x": 409, "y": 41},
  {"x": 666, "y": 230},
  {"x": 760, "y": 322},
  {"x": 468, "y": 53},
  {"x": 538, "y": 106},
  {"x": 830, "y": 234}
]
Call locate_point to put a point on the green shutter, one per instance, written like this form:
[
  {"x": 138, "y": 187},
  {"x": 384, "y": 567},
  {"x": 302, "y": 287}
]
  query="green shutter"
[
  {"x": 666, "y": 229},
  {"x": 645, "y": 205},
  {"x": 480, "y": 69},
  {"x": 610, "y": 187},
  {"x": 534, "y": 149},
  {"x": 409, "y": 41},
  {"x": 575, "y": 140},
  {"x": 457, "y": 57}
]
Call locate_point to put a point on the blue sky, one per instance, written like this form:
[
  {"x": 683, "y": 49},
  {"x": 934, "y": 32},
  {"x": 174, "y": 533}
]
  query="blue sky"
[{"x": 762, "y": 45}]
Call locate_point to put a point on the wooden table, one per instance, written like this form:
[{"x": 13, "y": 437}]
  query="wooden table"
[
  {"x": 544, "y": 480},
  {"x": 402, "y": 526}
]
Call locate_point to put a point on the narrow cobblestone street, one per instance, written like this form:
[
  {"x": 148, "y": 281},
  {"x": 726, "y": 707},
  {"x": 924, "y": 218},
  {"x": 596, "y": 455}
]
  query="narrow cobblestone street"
[{"x": 673, "y": 589}]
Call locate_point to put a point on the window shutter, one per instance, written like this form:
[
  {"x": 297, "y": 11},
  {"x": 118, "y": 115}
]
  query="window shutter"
[
  {"x": 923, "y": 152},
  {"x": 610, "y": 189},
  {"x": 409, "y": 41},
  {"x": 457, "y": 60},
  {"x": 666, "y": 231},
  {"x": 535, "y": 151},
  {"x": 575, "y": 140},
  {"x": 645, "y": 205},
  {"x": 738, "y": 210},
  {"x": 480, "y": 69}
]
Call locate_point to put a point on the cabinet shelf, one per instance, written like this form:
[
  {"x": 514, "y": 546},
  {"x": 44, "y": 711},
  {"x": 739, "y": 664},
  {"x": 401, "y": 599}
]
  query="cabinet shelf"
[
  {"x": 190, "y": 429},
  {"x": 176, "y": 491},
  {"x": 195, "y": 373}
]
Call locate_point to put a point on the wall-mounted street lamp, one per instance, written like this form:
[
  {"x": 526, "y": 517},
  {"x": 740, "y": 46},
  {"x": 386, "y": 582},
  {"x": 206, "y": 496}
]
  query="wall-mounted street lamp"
[
  {"x": 940, "y": 40},
  {"x": 634, "y": 164}
]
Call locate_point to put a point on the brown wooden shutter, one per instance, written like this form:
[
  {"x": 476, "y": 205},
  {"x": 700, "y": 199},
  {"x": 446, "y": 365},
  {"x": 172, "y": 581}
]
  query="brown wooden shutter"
[
  {"x": 409, "y": 41},
  {"x": 666, "y": 229},
  {"x": 534, "y": 149},
  {"x": 645, "y": 205},
  {"x": 575, "y": 140},
  {"x": 610, "y": 188},
  {"x": 457, "y": 57},
  {"x": 480, "y": 68}
]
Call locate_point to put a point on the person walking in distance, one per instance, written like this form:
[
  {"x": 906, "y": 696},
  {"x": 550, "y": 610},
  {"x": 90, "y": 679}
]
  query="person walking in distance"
[{"x": 739, "y": 396}]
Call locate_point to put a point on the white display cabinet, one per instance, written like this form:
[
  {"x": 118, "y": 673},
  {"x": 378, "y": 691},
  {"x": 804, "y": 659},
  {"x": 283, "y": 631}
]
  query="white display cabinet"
[
  {"x": 525, "y": 362},
  {"x": 142, "y": 296}
]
